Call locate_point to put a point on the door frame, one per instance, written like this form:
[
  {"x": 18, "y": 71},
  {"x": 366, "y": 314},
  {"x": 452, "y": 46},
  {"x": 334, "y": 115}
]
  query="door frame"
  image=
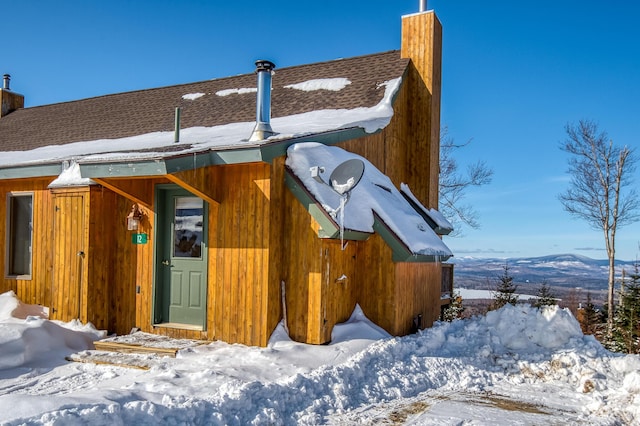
[{"x": 158, "y": 299}]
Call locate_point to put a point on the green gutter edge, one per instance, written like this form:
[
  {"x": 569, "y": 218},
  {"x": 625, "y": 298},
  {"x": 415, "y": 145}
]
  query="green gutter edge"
[
  {"x": 41, "y": 170},
  {"x": 190, "y": 161}
]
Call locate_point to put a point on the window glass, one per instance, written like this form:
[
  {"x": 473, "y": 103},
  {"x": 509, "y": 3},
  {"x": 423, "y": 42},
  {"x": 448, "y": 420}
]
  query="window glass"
[
  {"x": 20, "y": 211},
  {"x": 187, "y": 231}
]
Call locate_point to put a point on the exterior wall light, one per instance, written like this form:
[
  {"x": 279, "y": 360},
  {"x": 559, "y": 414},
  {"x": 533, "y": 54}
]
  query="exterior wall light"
[{"x": 134, "y": 218}]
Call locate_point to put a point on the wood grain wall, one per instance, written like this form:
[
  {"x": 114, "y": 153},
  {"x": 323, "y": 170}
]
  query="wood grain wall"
[{"x": 36, "y": 290}]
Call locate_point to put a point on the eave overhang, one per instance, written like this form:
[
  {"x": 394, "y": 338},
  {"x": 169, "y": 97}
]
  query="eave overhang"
[
  {"x": 193, "y": 160},
  {"x": 31, "y": 171},
  {"x": 330, "y": 229}
]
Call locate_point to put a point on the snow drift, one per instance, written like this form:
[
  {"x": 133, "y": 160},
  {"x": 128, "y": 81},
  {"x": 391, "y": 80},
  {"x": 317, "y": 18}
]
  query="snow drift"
[{"x": 537, "y": 361}]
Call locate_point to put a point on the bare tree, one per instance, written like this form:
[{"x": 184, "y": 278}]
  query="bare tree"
[
  {"x": 600, "y": 171},
  {"x": 454, "y": 183}
]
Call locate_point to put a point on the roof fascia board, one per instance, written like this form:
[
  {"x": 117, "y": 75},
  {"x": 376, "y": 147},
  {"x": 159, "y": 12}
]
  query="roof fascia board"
[
  {"x": 124, "y": 169},
  {"x": 333, "y": 137},
  {"x": 35, "y": 171},
  {"x": 196, "y": 160},
  {"x": 265, "y": 153},
  {"x": 437, "y": 229},
  {"x": 401, "y": 252}
]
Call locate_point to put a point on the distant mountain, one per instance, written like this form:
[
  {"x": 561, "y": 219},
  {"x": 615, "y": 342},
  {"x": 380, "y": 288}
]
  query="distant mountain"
[{"x": 562, "y": 270}]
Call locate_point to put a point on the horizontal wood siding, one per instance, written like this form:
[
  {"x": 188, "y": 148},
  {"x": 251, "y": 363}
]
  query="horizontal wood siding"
[{"x": 36, "y": 290}]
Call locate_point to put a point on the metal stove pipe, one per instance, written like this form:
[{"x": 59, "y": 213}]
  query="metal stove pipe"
[{"x": 263, "y": 129}]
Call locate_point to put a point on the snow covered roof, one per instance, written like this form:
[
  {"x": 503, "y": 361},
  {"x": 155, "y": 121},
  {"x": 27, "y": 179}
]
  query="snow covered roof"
[
  {"x": 434, "y": 218},
  {"x": 216, "y": 116},
  {"x": 374, "y": 204}
]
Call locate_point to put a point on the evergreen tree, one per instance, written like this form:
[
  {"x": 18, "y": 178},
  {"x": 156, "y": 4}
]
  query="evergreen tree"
[
  {"x": 545, "y": 296},
  {"x": 591, "y": 318},
  {"x": 505, "y": 290},
  {"x": 626, "y": 324},
  {"x": 455, "y": 308}
]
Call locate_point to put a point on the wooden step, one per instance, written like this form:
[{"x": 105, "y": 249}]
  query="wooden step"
[
  {"x": 139, "y": 349},
  {"x": 146, "y": 343},
  {"x": 117, "y": 359}
]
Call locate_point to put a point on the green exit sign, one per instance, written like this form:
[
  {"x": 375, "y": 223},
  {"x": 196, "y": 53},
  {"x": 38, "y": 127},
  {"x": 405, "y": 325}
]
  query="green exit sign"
[{"x": 139, "y": 238}]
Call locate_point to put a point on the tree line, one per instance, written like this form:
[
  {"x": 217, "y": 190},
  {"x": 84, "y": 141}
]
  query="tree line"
[{"x": 601, "y": 193}]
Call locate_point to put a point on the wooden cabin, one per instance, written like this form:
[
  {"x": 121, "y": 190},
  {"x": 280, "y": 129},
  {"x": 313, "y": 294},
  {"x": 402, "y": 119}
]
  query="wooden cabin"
[{"x": 173, "y": 210}]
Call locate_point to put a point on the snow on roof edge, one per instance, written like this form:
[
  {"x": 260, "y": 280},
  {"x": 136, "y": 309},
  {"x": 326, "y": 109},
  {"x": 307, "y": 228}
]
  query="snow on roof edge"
[
  {"x": 230, "y": 135},
  {"x": 438, "y": 218},
  {"x": 375, "y": 193}
]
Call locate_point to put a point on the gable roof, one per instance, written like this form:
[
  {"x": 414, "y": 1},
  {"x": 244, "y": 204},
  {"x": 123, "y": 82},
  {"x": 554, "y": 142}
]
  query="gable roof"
[{"x": 71, "y": 130}]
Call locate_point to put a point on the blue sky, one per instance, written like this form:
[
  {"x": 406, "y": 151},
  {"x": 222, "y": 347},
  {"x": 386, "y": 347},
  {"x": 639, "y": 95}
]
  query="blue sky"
[{"x": 514, "y": 73}]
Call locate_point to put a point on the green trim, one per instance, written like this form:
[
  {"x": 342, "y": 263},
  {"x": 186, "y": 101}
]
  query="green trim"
[
  {"x": 181, "y": 162},
  {"x": 401, "y": 252},
  {"x": 41, "y": 170},
  {"x": 437, "y": 229},
  {"x": 158, "y": 312},
  {"x": 124, "y": 169},
  {"x": 328, "y": 227},
  {"x": 212, "y": 158},
  {"x": 279, "y": 149}
]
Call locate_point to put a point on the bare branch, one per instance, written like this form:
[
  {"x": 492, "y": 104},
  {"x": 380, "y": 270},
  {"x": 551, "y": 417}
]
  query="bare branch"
[
  {"x": 600, "y": 175},
  {"x": 454, "y": 184}
]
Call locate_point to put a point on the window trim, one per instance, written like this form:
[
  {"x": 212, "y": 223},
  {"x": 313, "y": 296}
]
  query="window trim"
[{"x": 9, "y": 234}]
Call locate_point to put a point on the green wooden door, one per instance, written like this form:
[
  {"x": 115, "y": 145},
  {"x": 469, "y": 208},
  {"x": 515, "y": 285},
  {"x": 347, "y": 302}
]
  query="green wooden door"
[{"x": 182, "y": 258}]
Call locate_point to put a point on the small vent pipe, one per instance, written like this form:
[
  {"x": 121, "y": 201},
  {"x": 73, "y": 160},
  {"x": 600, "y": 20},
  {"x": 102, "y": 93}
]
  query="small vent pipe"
[
  {"x": 176, "y": 127},
  {"x": 423, "y": 5},
  {"x": 5, "y": 81},
  {"x": 263, "y": 129}
]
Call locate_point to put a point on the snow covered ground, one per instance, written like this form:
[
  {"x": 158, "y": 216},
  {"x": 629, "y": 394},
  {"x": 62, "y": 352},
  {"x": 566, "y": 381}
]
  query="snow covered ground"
[{"x": 517, "y": 365}]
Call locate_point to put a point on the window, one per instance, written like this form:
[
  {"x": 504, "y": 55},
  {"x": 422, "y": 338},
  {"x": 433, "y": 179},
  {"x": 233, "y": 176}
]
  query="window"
[{"x": 19, "y": 234}]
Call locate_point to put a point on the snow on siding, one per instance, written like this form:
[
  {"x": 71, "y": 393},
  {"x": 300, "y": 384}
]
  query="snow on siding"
[
  {"x": 332, "y": 84},
  {"x": 375, "y": 193}
]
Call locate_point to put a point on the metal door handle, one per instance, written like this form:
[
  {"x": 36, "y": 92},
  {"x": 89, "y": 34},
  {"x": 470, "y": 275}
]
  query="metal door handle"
[
  {"x": 165, "y": 262},
  {"x": 80, "y": 253}
]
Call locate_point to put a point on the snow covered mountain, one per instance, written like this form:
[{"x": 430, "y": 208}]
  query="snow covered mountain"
[{"x": 561, "y": 270}]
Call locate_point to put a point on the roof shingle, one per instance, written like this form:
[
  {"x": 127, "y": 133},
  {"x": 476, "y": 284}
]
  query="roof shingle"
[{"x": 152, "y": 110}]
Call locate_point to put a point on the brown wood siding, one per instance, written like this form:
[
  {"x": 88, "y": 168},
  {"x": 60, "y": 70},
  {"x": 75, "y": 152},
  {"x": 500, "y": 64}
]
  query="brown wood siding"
[
  {"x": 239, "y": 255},
  {"x": 102, "y": 228},
  {"x": 318, "y": 296},
  {"x": 69, "y": 262},
  {"x": 377, "y": 295},
  {"x": 278, "y": 233},
  {"x": 128, "y": 267},
  {"x": 422, "y": 42},
  {"x": 36, "y": 290},
  {"x": 418, "y": 292},
  {"x": 301, "y": 272},
  {"x": 403, "y": 150}
]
